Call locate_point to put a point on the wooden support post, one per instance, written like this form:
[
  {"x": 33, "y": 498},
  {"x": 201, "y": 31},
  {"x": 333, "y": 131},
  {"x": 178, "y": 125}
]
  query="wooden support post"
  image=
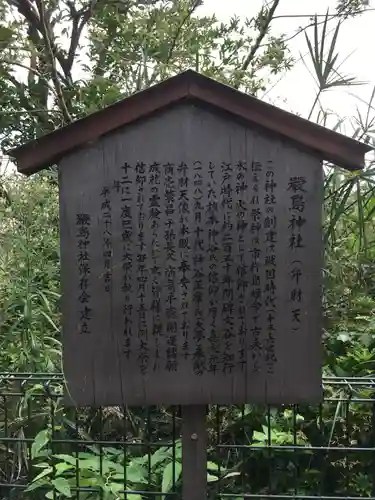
[{"x": 194, "y": 452}]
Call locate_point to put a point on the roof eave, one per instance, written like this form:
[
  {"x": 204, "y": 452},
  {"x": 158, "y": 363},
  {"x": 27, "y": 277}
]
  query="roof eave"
[
  {"x": 329, "y": 145},
  {"x": 47, "y": 150}
]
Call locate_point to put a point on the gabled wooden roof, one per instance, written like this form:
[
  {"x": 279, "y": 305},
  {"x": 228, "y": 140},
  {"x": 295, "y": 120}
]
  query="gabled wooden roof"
[{"x": 189, "y": 86}]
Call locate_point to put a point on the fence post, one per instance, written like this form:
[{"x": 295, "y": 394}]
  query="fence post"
[{"x": 194, "y": 452}]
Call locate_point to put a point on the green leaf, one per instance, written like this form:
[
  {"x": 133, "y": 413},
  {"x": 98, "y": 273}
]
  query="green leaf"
[
  {"x": 62, "y": 486},
  {"x": 136, "y": 474},
  {"x": 89, "y": 481},
  {"x": 88, "y": 456},
  {"x": 116, "y": 487},
  {"x": 259, "y": 436},
  {"x": 118, "y": 477},
  {"x": 178, "y": 450},
  {"x": 49, "y": 495},
  {"x": 211, "y": 478},
  {"x": 62, "y": 467},
  {"x": 44, "y": 453},
  {"x": 231, "y": 474},
  {"x": 91, "y": 464},
  {"x": 41, "y": 439},
  {"x": 67, "y": 458},
  {"x": 44, "y": 473},
  {"x": 167, "y": 481},
  {"x": 212, "y": 466},
  {"x": 159, "y": 456},
  {"x": 35, "y": 485},
  {"x": 108, "y": 466}
]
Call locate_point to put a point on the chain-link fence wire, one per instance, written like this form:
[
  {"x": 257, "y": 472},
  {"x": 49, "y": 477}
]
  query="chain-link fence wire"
[{"x": 48, "y": 450}]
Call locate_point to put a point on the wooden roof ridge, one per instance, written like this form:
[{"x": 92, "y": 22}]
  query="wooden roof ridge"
[{"x": 189, "y": 85}]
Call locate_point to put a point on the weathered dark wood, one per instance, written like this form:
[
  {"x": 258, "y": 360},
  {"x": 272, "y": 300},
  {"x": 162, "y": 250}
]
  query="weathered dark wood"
[
  {"x": 215, "y": 357},
  {"x": 194, "y": 87},
  {"x": 194, "y": 452}
]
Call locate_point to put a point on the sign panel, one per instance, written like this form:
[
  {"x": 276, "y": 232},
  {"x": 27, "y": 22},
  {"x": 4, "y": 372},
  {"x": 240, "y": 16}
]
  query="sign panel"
[{"x": 191, "y": 260}]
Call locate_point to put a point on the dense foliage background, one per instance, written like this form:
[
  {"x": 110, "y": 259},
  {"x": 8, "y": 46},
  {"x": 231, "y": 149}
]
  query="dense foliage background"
[{"x": 63, "y": 59}]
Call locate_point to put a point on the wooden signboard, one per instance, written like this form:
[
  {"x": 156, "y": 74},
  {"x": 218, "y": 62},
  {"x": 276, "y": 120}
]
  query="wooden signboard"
[
  {"x": 191, "y": 260},
  {"x": 191, "y": 248}
]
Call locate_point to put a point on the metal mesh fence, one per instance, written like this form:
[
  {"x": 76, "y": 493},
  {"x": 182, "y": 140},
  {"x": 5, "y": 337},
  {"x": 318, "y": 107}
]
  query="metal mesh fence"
[{"x": 134, "y": 453}]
